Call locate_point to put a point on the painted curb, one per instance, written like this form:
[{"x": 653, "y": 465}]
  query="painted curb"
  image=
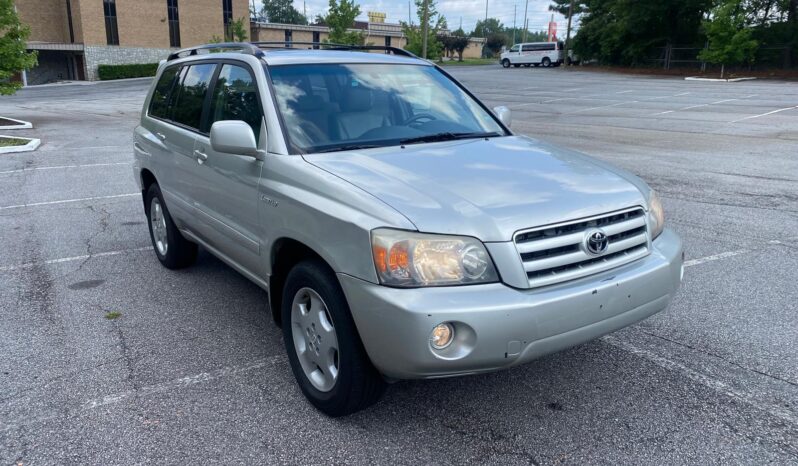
[
  {"x": 32, "y": 145},
  {"x": 717, "y": 80},
  {"x": 22, "y": 124}
]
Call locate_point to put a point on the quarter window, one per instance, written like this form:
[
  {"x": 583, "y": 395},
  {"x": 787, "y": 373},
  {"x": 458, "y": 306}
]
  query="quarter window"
[
  {"x": 190, "y": 95},
  {"x": 174, "y": 23},
  {"x": 235, "y": 98},
  {"x": 111, "y": 29},
  {"x": 160, "y": 98}
]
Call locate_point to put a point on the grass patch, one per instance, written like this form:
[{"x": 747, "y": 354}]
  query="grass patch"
[
  {"x": 12, "y": 142},
  {"x": 113, "y": 315},
  {"x": 471, "y": 62}
]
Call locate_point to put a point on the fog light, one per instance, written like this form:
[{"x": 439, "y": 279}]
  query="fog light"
[{"x": 442, "y": 335}]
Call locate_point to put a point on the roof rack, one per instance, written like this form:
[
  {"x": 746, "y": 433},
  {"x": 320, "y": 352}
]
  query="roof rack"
[
  {"x": 331, "y": 46},
  {"x": 255, "y": 48},
  {"x": 243, "y": 47}
]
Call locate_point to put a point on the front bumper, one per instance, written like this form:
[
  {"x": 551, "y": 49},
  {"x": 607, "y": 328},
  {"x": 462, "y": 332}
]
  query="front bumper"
[{"x": 497, "y": 326}]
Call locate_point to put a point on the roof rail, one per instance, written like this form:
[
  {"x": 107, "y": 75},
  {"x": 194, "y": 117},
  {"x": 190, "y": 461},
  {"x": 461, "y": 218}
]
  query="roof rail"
[
  {"x": 243, "y": 47},
  {"x": 331, "y": 46}
]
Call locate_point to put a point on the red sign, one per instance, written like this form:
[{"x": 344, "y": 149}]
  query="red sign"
[{"x": 552, "y": 31}]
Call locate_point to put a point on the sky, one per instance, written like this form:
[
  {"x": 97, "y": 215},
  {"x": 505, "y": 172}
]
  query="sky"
[{"x": 469, "y": 11}]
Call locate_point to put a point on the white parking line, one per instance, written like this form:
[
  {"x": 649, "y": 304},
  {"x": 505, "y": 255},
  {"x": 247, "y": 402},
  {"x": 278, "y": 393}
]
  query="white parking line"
[
  {"x": 604, "y": 106},
  {"x": 62, "y": 167},
  {"x": 67, "y": 201},
  {"x": 62, "y": 260},
  {"x": 715, "y": 257},
  {"x": 624, "y": 92},
  {"x": 765, "y": 114}
]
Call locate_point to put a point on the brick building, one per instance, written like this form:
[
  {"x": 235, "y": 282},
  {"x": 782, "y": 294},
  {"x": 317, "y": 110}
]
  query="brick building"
[{"x": 74, "y": 36}]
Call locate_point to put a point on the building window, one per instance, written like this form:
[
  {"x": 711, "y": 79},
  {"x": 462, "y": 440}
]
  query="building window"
[
  {"x": 316, "y": 39},
  {"x": 174, "y": 23},
  {"x": 387, "y": 41},
  {"x": 111, "y": 29},
  {"x": 289, "y": 37},
  {"x": 69, "y": 20},
  {"x": 227, "y": 17}
]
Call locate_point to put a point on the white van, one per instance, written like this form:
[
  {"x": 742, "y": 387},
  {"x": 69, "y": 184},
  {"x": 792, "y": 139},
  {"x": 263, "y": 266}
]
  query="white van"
[{"x": 534, "y": 53}]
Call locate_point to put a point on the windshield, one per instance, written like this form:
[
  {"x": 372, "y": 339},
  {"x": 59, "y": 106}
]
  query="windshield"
[{"x": 329, "y": 107}]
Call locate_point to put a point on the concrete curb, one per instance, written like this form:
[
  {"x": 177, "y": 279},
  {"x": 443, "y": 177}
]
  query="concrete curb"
[
  {"x": 717, "y": 80},
  {"x": 32, "y": 145},
  {"x": 86, "y": 83},
  {"x": 22, "y": 124}
]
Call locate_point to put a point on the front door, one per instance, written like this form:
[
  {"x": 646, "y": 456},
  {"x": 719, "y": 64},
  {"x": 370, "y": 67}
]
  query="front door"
[{"x": 227, "y": 191}]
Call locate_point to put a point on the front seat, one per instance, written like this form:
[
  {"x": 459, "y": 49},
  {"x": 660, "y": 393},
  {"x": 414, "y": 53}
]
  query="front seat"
[{"x": 358, "y": 113}]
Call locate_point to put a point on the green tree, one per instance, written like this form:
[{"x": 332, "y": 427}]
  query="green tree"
[
  {"x": 627, "y": 31},
  {"x": 340, "y": 18},
  {"x": 456, "y": 42},
  {"x": 486, "y": 27},
  {"x": 237, "y": 30},
  {"x": 13, "y": 55},
  {"x": 283, "y": 12},
  {"x": 562, "y": 7},
  {"x": 415, "y": 34},
  {"x": 730, "y": 39}
]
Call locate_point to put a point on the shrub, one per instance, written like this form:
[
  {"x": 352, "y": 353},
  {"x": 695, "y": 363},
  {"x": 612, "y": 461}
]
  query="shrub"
[{"x": 137, "y": 70}]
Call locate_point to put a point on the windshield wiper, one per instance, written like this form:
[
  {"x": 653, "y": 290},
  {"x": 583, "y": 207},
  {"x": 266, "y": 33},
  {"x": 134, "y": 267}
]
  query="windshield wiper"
[
  {"x": 447, "y": 136},
  {"x": 343, "y": 148}
]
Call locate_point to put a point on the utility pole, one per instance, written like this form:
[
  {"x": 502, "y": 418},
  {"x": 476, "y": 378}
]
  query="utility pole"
[
  {"x": 515, "y": 29},
  {"x": 486, "y": 10},
  {"x": 409, "y": 18},
  {"x": 425, "y": 30},
  {"x": 526, "y": 8},
  {"x": 567, "y": 57}
]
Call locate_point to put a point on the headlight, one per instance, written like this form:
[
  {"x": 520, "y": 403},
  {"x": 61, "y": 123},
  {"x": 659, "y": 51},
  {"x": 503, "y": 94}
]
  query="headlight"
[
  {"x": 656, "y": 215},
  {"x": 408, "y": 259}
]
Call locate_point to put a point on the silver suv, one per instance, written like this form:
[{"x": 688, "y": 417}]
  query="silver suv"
[{"x": 401, "y": 229}]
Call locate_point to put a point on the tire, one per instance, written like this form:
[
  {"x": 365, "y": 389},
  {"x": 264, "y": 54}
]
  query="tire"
[
  {"x": 546, "y": 62},
  {"x": 335, "y": 391},
  {"x": 171, "y": 248},
  {"x": 506, "y": 63}
]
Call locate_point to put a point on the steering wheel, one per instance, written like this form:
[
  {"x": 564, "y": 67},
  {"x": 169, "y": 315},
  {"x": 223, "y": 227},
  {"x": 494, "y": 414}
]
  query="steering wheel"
[{"x": 418, "y": 118}]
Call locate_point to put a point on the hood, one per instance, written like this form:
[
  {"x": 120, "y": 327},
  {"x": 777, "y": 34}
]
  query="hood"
[{"x": 488, "y": 189}]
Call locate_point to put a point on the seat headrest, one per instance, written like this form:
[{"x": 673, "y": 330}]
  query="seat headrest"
[
  {"x": 308, "y": 103},
  {"x": 357, "y": 99}
]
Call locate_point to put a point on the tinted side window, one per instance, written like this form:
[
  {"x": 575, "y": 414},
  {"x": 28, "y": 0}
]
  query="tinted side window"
[
  {"x": 235, "y": 98},
  {"x": 528, "y": 48},
  {"x": 190, "y": 95},
  {"x": 160, "y": 97}
]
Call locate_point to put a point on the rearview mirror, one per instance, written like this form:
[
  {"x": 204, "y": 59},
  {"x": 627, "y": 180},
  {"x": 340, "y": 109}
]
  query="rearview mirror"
[
  {"x": 233, "y": 137},
  {"x": 504, "y": 115}
]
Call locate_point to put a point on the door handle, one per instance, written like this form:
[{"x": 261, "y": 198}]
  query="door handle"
[
  {"x": 161, "y": 136},
  {"x": 201, "y": 156}
]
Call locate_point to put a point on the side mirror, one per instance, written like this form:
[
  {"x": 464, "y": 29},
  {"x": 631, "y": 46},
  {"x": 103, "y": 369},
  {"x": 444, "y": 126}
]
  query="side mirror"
[
  {"x": 233, "y": 137},
  {"x": 504, "y": 115}
]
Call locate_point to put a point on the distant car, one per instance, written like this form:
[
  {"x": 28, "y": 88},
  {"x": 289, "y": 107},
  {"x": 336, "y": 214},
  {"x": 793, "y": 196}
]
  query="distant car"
[
  {"x": 534, "y": 53},
  {"x": 401, "y": 229}
]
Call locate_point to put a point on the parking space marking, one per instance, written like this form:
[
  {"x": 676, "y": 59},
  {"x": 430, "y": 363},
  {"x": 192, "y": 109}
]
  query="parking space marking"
[
  {"x": 181, "y": 382},
  {"x": 604, "y": 106},
  {"x": 765, "y": 114},
  {"x": 715, "y": 257},
  {"x": 703, "y": 379},
  {"x": 62, "y": 260},
  {"x": 61, "y": 167},
  {"x": 67, "y": 201},
  {"x": 624, "y": 92}
]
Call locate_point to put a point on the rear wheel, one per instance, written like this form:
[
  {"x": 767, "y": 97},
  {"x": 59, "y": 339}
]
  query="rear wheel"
[
  {"x": 546, "y": 62},
  {"x": 506, "y": 63},
  {"x": 171, "y": 248},
  {"x": 324, "y": 349}
]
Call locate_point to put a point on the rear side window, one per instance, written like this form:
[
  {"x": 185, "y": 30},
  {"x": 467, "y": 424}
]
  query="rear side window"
[
  {"x": 160, "y": 98},
  {"x": 190, "y": 95},
  {"x": 528, "y": 48},
  {"x": 236, "y": 98}
]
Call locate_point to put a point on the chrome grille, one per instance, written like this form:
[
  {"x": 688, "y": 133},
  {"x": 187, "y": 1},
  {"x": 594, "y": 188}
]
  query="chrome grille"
[{"x": 557, "y": 253}]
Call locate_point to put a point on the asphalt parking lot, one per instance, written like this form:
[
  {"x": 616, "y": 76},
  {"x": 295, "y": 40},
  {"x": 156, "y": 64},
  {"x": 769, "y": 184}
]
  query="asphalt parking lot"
[{"x": 194, "y": 370}]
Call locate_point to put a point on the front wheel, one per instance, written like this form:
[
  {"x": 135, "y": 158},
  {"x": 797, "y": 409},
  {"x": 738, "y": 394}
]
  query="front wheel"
[
  {"x": 324, "y": 349},
  {"x": 506, "y": 63}
]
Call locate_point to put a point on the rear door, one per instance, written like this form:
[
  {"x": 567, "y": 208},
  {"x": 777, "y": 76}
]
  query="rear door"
[{"x": 227, "y": 188}]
